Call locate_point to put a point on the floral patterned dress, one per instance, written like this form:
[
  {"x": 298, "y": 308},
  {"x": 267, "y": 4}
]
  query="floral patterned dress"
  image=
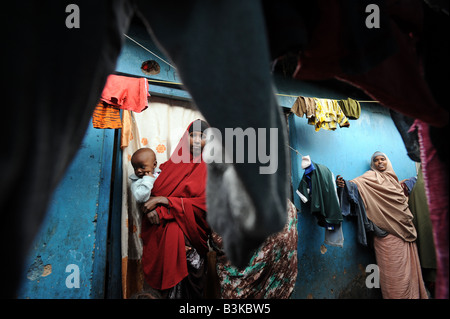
[{"x": 272, "y": 270}]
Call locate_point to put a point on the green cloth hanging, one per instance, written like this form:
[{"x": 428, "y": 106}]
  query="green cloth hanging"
[{"x": 351, "y": 108}]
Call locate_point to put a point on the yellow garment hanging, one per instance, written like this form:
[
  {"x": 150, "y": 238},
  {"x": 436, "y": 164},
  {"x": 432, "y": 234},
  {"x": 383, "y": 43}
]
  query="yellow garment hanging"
[{"x": 328, "y": 114}]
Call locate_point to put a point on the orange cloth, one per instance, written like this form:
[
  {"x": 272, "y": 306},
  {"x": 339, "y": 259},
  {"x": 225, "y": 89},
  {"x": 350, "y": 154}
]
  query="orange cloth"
[
  {"x": 126, "y": 135},
  {"x": 126, "y": 93},
  {"x": 106, "y": 116}
]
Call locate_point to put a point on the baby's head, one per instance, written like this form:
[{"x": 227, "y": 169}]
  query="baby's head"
[{"x": 144, "y": 162}]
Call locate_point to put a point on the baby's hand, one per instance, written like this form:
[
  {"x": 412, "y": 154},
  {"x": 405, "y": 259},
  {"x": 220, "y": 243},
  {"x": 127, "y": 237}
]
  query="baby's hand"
[{"x": 149, "y": 174}]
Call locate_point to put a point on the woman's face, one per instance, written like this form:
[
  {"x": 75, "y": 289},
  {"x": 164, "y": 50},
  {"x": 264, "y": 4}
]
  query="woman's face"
[
  {"x": 380, "y": 163},
  {"x": 197, "y": 141}
]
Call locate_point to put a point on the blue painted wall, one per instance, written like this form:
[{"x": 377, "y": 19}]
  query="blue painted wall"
[{"x": 74, "y": 231}]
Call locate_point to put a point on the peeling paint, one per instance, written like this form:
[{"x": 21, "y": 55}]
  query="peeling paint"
[
  {"x": 38, "y": 269},
  {"x": 47, "y": 270},
  {"x": 323, "y": 249}
]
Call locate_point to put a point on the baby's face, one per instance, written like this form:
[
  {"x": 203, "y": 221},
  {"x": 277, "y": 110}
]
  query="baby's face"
[{"x": 144, "y": 164}]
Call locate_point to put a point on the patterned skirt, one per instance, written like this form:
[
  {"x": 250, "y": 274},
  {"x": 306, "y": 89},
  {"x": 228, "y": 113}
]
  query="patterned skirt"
[{"x": 272, "y": 270}]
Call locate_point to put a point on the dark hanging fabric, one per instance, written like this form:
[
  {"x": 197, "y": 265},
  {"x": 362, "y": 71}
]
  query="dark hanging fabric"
[
  {"x": 352, "y": 205},
  {"x": 425, "y": 242},
  {"x": 236, "y": 47},
  {"x": 318, "y": 186},
  {"x": 410, "y": 138},
  {"x": 55, "y": 78}
]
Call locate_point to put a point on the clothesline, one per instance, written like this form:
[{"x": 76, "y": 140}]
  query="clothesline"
[
  {"x": 165, "y": 82},
  {"x": 355, "y": 100},
  {"x": 298, "y": 153}
]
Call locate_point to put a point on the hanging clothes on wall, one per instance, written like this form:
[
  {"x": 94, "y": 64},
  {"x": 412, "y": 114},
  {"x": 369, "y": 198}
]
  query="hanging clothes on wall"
[
  {"x": 329, "y": 114},
  {"x": 126, "y": 93},
  {"x": 352, "y": 204},
  {"x": 318, "y": 195},
  {"x": 304, "y": 105},
  {"x": 351, "y": 108},
  {"x": 120, "y": 92},
  {"x": 106, "y": 116}
]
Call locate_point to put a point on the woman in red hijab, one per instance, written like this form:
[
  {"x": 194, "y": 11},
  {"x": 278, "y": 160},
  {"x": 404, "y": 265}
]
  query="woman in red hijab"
[{"x": 175, "y": 231}]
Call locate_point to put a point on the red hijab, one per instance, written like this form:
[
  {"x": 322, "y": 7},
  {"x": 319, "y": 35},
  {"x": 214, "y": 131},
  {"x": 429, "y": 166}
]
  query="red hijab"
[{"x": 184, "y": 184}]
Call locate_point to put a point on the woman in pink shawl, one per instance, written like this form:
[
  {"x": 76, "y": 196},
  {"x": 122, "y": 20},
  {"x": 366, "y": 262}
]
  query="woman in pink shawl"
[{"x": 387, "y": 207}]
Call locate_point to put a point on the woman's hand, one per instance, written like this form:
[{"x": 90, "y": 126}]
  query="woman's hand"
[
  {"x": 340, "y": 182},
  {"x": 148, "y": 208},
  {"x": 153, "y": 202},
  {"x": 153, "y": 217}
]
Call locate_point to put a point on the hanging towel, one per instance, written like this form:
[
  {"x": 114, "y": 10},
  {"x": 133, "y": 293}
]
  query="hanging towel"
[
  {"x": 106, "y": 116},
  {"x": 304, "y": 105},
  {"x": 126, "y": 93},
  {"x": 126, "y": 136},
  {"x": 351, "y": 108}
]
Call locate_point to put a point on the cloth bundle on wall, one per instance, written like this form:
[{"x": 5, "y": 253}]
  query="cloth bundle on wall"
[
  {"x": 120, "y": 92},
  {"x": 326, "y": 113},
  {"x": 318, "y": 194}
]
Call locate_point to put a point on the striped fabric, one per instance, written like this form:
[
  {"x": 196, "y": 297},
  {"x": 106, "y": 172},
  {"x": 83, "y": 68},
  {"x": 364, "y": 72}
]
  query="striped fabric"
[
  {"x": 106, "y": 116},
  {"x": 400, "y": 273}
]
